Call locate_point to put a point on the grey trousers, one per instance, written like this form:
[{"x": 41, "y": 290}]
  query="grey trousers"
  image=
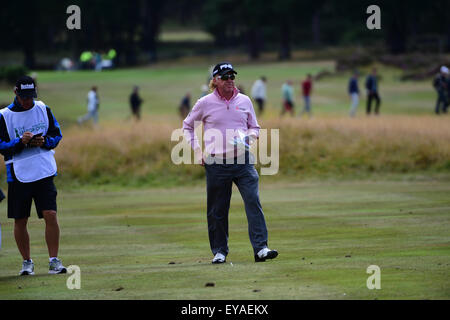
[
  {"x": 219, "y": 180},
  {"x": 90, "y": 115}
]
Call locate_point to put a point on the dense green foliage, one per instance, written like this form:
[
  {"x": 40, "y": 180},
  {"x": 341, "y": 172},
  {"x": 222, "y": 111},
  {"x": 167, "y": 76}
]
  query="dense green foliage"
[
  {"x": 133, "y": 27},
  {"x": 10, "y": 74}
]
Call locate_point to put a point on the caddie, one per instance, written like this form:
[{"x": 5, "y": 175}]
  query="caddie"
[{"x": 28, "y": 134}]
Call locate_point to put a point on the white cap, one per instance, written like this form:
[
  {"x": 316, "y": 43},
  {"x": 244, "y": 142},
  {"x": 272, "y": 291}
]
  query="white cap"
[{"x": 444, "y": 69}]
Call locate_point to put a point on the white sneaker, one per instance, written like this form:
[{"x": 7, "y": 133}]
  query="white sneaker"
[
  {"x": 264, "y": 254},
  {"x": 219, "y": 258},
  {"x": 27, "y": 268},
  {"x": 55, "y": 266}
]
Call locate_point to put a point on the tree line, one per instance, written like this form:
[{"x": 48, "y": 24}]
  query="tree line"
[{"x": 133, "y": 26}]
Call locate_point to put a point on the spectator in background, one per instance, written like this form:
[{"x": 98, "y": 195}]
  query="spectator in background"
[
  {"x": 442, "y": 86},
  {"x": 65, "y": 64},
  {"x": 241, "y": 89},
  {"x": 205, "y": 90},
  {"x": 306, "y": 91},
  {"x": 108, "y": 59},
  {"x": 259, "y": 93},
  {"x": 185, "y": 105},
  {"x": 98, "y": 61},
  {"x": 112, "y": 54},
  {"x": 353, "y": 91},
  {"x": 135, "y": 103},
  {"x": 86, "y": 60},
  {"x": 93, "y": 104},
  {"x": 287, "y": 92},
  {"x": 372, "y": 92}
]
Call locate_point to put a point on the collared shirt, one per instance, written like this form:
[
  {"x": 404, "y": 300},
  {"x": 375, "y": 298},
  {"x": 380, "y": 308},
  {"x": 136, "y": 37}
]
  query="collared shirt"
[{"x": 219, "y": 115}]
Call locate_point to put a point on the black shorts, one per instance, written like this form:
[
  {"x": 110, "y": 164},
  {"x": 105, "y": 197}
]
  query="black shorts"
[{"x": 20, "y": 196}]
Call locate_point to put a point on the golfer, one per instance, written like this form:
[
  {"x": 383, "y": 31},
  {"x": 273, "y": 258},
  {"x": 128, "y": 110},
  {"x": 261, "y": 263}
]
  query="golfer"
[
  {"x": 225, "y": 161},
  {"x": 28, "y": 133}
]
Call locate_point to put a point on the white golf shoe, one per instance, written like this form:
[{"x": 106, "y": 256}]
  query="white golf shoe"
[
  {"x": 219, "y": 258},
  {"x": 55, "y": 267},
  {"x": 264, "y": 254},
  {"x": 27, "y": 268}
]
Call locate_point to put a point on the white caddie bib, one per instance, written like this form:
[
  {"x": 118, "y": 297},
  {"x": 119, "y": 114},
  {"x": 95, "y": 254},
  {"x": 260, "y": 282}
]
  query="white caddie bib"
[{"x": 31, "y": 164}]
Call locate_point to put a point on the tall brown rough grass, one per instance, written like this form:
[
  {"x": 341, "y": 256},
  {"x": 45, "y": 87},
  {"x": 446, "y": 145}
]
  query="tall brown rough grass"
[
  {"x": 382, "y": 144},
  {"x": 141, "y": 151}
]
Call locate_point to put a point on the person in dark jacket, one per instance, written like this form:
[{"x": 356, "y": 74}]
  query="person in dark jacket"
[
  {"x": 372, "y": 92},
  {"x": 353, "y": 91},
  {"x": 441, "y": 84},
  {"x": 135, "y": 103},
  {"x": 185, "y": 105}
]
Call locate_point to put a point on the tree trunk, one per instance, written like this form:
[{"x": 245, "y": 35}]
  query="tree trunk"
[
  {"x": 28, "y": 32},
  {"x": 255, "y": 43},
  {"x": 316, "y": 28},
  {"x": 397, "y": 34},
  {"x": 396, "y": 38},
  {"x": 132, "y": 22},
  {"x": 152, "y": 16},
  {"x": 285, "y": 44},
  {"x": 29, "y": 53}
]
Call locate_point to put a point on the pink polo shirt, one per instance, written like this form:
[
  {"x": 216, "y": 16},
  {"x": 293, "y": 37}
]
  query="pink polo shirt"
[{"x": 219, "y": 115}]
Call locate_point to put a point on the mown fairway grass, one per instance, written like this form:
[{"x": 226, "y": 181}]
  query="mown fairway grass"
[{"x": 327, "y": 234}]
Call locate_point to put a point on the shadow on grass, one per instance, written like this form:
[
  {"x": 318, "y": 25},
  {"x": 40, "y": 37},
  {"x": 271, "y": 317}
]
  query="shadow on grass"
[{"x": 35, "y": 276}]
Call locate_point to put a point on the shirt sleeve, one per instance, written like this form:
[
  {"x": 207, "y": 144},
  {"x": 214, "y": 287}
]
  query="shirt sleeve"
[
  {"x": 54, "y": 134},
  {"x": 195, "y": 115},
  {"x": 8, "y": 148}
]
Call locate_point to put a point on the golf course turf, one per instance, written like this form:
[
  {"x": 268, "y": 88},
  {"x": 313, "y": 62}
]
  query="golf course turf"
[{"x": 152, "y": 244}]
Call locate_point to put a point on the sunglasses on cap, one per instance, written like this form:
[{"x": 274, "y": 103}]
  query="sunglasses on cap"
[{"x": 225, "y": 77}]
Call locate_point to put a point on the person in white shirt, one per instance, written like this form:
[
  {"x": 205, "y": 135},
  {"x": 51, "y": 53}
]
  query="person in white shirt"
[
  {"x": 92, "y": 107},
  {"x": 259, "y": 93}
]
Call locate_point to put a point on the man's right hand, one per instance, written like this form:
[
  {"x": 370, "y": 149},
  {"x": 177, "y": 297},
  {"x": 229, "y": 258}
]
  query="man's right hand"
[
  {"x": 26, "y": 137},
  {"x": 198, "y": 155}
]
